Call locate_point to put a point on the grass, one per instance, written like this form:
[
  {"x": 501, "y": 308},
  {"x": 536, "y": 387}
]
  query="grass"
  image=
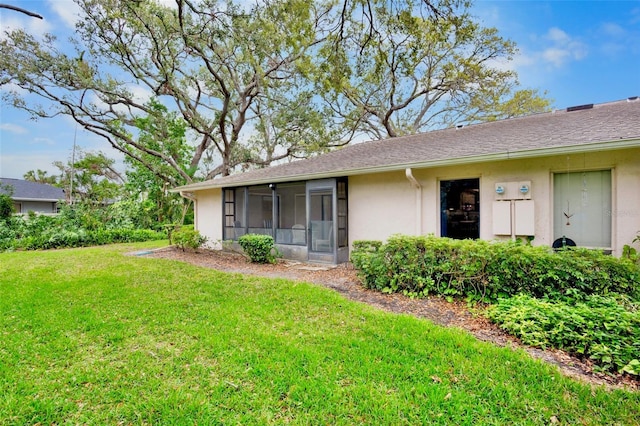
[{"x": 89, "y": 336}]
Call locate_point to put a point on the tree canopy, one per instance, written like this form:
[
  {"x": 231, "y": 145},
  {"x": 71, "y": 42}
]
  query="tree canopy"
[{"x": 203, "y": 88}]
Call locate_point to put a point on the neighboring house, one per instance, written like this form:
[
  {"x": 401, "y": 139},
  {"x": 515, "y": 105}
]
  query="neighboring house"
[
  {"x": 31, "y": 196},
  {"x": 572, "y": 174}
]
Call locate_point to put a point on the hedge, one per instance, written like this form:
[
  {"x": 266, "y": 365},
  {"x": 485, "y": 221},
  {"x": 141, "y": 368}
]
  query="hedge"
[{"x": 484, "y": 271}]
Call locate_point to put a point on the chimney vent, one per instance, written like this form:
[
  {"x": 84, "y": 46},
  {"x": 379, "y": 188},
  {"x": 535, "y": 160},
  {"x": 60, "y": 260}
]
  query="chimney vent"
[{"x": 579, "y": 107}]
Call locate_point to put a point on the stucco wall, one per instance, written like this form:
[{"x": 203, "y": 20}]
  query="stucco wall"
[
  {"x": 384, "y": 204},
  {"x": 208, "y": 216},
  {"x": 380, "y": 205}
]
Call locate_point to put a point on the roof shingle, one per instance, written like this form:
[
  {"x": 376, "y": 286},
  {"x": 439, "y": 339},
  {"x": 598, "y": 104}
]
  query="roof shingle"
[{"x": 27, "y": 190}]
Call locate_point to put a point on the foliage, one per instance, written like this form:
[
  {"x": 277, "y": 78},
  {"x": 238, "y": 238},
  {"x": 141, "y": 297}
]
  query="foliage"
[
  {"x": 259, "y": 248},
  {"x": 90, "y": 177},
  {"x": 86, "y": 177},
  {"x": 481, "y": 270},
  {"x": 149, "y": 178},
  {"x": 598, "y": 328},
  {"x": 40, "y": 176},
  {"x": 94, "y": 337},
  {"x": 76, "y": 226},
  {"x": 630, "y": 252},
  {"x": 6, "y": 207},
  {"x": 187, "y": 237}
]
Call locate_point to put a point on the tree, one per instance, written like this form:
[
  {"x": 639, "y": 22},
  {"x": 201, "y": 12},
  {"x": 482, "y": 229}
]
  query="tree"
[
  {"x": 90, "y": 178},
  {"x": 400, "y": 72},
  {"x": 6, "y": 202},
  {"x": 216, "y": 64},
  {"x": 40, "y": 176},
  {"x": 148, "y": 188}
]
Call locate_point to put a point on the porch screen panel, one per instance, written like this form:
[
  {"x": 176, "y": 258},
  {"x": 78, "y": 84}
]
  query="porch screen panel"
[
  {"x": 343, "y": 240},
  {"x": 234, "y": 225},
  {"x": 260, "y": 210},
  {"x": 582, "y": 207},
  {"x": 291, "y": 220}
]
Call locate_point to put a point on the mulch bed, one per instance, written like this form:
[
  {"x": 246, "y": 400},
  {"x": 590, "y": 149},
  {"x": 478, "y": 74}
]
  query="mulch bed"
[{"x": 343, "y": 279}]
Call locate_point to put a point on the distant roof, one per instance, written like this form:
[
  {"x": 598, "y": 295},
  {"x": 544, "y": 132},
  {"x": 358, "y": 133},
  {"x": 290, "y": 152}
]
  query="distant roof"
[
  {"x": 24, "y": 190},
  {"x": 600, "y": 127}
]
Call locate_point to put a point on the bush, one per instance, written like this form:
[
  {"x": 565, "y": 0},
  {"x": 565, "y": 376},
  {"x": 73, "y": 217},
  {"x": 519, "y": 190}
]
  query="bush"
[
  {"x": 259, "y": 248},
  {"x": 482, "y": 270},
  {"x": 188, "y": 237},
  {"x": 599, "y": 328},
  {"x": 6, "y": 207}
]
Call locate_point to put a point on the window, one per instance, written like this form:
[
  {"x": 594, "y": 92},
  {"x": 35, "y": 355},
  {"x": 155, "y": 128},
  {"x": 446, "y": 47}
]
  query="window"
[
  {"x": 460, "y": 208},
  {"x": 582, "y": 208}
]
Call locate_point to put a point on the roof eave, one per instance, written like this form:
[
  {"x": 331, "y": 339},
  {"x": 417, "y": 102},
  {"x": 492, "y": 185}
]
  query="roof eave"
[
  {"x": 483, "y": 158},
  {"x": 49, "y": 200}
]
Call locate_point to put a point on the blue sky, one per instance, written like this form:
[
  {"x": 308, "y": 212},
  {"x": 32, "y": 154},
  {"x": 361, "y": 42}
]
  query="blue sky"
[{"x": 578, "y": 52}]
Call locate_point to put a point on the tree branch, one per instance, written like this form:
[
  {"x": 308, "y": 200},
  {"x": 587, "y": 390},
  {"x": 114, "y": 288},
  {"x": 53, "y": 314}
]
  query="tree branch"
[{"x": 19, "y": 9}]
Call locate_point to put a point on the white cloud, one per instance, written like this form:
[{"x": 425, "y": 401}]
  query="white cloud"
[
  {"x": 555, "y": 56},
  {"x": 67, "y": 10},
  {"x": 563, "y": 48},
  {"x": 33, "y": 26},
  {"x": 615, "y": 40},
  {"x": 558, "y": 36},
  {"x": 613, "y": 30},
  {"x": 13, "y": 128}
]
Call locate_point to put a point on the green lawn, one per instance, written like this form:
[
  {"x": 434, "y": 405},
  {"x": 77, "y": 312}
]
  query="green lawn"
[{"x": 90, "y": 336}]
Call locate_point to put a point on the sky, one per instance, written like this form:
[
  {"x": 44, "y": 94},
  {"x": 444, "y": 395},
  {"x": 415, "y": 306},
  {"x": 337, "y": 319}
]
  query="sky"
[{"x": 574, "y": 52}]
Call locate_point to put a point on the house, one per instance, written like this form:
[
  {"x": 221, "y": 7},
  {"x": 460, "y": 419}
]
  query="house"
[
  {"x": 31, "y": 196},
  {"x": 568, "y": 176}
]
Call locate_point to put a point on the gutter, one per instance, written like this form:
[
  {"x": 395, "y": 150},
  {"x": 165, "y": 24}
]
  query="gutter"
[
  {"x": 414, "y": 182},
  {"x": 44, "y": 200}
]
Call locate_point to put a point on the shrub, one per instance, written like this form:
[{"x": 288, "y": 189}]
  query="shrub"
[
  {"x": 482, "y": 270},
  {"x": 259, "y": 248},
  {"x": 599, "y": 328},
  {"x": 188, "y": 237},
  {"x": 6, "y": 207}
]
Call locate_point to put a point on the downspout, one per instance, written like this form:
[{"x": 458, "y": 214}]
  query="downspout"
[
  {"x": 190, "y": 196},
  {"x": 414, "y": 182}
]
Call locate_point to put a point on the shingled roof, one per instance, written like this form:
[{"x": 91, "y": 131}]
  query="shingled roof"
[
  {"x": 598, "y": 127},
  {"x": 24, "y": 190}
]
